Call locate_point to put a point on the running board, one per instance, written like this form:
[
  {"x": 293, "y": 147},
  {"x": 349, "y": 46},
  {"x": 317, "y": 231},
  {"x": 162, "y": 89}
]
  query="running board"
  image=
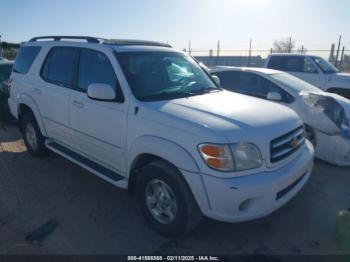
[{"x": 88, "y": 164}]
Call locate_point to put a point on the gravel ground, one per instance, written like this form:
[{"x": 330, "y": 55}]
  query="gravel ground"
[{"x": 94, "y": 217}]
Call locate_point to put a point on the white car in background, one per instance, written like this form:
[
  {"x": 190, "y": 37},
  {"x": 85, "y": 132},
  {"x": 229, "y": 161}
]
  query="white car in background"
[
  {"x": 314, "y": 70},
  {"x": 326, "y": 115}
]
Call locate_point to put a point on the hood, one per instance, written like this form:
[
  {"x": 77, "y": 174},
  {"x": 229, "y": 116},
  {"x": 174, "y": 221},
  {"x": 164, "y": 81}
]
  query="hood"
[{"x": 233, "y": 115}]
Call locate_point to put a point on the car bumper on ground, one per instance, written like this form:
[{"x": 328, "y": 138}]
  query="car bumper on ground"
[{"x": 253, "y": 196}]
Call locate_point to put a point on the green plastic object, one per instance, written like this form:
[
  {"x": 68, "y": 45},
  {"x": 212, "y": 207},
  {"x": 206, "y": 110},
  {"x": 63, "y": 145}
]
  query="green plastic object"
[{"x": 343, "y": 230}]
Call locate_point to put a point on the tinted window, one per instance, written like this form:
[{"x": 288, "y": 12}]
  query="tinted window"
[
  {"x": 276, "y": 62},
  {"x": 60, "y": 65},
  {"x": 5, "y": 72},
  {"x": 292, "y": 64},
  {"x": 252, "y": 85},
  {"x": 95, "y": 68},
  {"x": 225, "y": 79},
  {"x": 25, "y": 59}
]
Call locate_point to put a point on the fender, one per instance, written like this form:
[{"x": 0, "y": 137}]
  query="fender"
[
  {"x": 27, "y": 100},
  {"x": 166, "y": 149}
]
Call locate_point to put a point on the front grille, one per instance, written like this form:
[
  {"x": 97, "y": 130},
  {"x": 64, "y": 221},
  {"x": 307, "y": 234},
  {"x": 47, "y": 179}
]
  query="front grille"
[{"x": 284, "y": 146}]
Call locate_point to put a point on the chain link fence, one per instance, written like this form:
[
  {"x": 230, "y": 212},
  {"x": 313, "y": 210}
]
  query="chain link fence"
[{"x": 256, "y": 58}]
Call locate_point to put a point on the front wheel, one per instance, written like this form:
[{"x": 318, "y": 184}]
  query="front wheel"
[
  {"x": 310, "y": 135},
  {"x": 166, "y": 200}
]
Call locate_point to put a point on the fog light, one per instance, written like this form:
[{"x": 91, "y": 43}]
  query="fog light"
[{"x": 245, "y": 205}]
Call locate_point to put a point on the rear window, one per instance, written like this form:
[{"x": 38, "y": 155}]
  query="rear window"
[{"x": 25, "y": 59}]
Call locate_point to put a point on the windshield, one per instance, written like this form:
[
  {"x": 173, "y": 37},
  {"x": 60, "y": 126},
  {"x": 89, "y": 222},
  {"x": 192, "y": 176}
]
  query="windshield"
[
  {"x": 294, "y": 83},
  {"x": 324, "y": 65},
  {"x": 164, "y": 75}
]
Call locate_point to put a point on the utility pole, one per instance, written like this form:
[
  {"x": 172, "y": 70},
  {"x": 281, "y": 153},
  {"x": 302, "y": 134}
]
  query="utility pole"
[
  {"x": 290, "y": 45},
  {"x": 338, "y": 49},
  {"x": 342, "y": 57},
  {"x": 250, "y": 52},
  {"x": 0, "y": 47},
  {"x": 218, "y": 49},
  {"x": 331, "y": 55}
]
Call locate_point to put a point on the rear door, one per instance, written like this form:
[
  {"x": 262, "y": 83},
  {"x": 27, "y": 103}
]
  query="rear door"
[
  {"x": 300, "y": 66},
  {"x": 98, "y": 127},
  {"x": 53, "y": 92}
]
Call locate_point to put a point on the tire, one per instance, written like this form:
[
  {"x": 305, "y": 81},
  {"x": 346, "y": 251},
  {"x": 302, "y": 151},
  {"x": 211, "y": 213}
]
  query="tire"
[
  {"x": 187, "y": 214},
  {"x": 310, "y": 135},
  {"x": 33, "y": 139}
]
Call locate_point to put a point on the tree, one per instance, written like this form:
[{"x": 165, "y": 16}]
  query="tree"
[{"x": 284, "y": 45}]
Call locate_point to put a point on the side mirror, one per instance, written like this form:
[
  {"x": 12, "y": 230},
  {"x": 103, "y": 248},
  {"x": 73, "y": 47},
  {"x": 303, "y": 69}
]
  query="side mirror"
[
  {"x": 102, "y": 92},
  {"x": 216, "y": 79},
  {"x": 274, "y": 96}
]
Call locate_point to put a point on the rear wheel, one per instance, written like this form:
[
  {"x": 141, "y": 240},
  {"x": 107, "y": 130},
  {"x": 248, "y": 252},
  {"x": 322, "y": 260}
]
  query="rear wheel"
[
  {"x": 166, "y": 200},
  {"x": 33, "y": 139}
]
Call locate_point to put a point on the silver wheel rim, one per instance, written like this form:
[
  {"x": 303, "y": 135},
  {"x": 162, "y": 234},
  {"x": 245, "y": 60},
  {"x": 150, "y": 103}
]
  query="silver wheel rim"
[
  {"x": 161, "y": 201},
  {"x": 31, "y": 136}
]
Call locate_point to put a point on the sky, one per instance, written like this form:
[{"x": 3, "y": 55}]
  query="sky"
[{"x": 312, "y": 23}]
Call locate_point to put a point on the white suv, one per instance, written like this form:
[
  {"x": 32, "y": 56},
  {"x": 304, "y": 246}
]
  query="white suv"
[{"x": 149, "y": 119}]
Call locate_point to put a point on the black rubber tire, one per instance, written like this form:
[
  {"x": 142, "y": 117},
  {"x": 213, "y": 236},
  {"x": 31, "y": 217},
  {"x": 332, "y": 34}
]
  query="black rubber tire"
[
  {"x": 41, "y": 150},
  {"x": 310, "y": 135},
  {"x": 188, "y": 216}
]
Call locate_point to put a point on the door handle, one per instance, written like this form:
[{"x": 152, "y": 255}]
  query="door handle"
[
  {"x": 37, "y": 91},
  {"x": 78, "y": 104}
]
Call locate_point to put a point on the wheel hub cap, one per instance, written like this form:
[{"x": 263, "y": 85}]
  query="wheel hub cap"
[
  {"x": 161, "y": 201},
  {"x": 31, "y": 136}
]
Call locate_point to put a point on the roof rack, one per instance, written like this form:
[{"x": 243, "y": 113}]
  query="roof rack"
[
  {"x": 89, "y": 39},
  {"x": 97, "y": 40},
  {"x": 134, "y": 42}
]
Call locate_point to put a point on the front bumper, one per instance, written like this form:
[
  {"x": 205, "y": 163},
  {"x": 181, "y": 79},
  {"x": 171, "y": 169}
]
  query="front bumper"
[
  {"x": 253, "y": 196},
  {"x": 333, "y": 149}
]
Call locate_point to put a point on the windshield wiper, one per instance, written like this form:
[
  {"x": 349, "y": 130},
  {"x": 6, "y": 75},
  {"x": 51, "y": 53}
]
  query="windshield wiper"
[{"x": 166, "y": 95}]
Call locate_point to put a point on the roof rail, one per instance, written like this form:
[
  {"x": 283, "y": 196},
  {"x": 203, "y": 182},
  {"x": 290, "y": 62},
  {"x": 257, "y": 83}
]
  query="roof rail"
[
  {"x": 134, "y": 42},
  {"x": 89, "y": 39}
]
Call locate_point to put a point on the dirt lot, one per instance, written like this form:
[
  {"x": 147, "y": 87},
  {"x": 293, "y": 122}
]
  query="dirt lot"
[{"x": 96, "y": 218}]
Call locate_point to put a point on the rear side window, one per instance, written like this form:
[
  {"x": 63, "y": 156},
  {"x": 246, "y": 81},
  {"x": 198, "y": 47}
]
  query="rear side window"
[
  {"x": 292, "y": 64},
  {"x": 60, "y": 66},
  {"x": 225, "y": 79},
  {"x": 276, "y": 62},
  {"x": 25, "y": 59}
]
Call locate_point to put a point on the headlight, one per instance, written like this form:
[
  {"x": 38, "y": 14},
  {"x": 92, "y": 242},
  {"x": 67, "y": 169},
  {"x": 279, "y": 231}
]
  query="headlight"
[
  {"x": 218, "y": 157},
  {"x": 236, "y": 157}
]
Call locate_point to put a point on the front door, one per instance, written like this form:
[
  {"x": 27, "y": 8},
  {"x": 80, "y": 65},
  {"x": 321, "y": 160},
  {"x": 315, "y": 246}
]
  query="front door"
[{"x": 98, "y": 127}]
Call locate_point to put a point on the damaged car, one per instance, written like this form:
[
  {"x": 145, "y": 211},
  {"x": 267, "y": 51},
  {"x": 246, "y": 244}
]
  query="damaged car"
[{"x": 326, "y": 115}]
